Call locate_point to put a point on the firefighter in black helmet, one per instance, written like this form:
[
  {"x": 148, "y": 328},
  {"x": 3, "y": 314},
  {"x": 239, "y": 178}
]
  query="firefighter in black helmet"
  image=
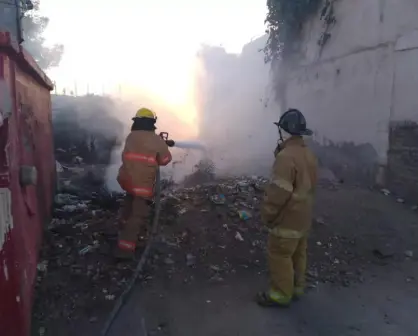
[
  {"x": 293, "y": 123},
  {"x": 287, "y": 211}
]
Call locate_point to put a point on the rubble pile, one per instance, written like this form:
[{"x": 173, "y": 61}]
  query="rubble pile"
[
  {"x": 76, "y": 273},
  {"x": 78, "y": 278},
  {"x": 207, "y": 232},
  {"x": 214, "y": 229}
]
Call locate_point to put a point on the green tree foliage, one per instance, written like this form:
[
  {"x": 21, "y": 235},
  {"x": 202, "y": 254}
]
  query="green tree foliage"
[
  {"x": 285, "y": 19},
  {"x": 34, "y": 25}
]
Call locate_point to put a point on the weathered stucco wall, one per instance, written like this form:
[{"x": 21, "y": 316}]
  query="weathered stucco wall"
[
  {"x": 360, "y": 24},
  {"x": 359, "y": 85}
]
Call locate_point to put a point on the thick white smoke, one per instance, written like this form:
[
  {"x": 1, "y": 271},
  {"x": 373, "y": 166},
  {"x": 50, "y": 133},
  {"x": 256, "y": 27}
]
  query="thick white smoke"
[
  {"x": 237, "y": 109},
  {"x": 236, "y": 112}
]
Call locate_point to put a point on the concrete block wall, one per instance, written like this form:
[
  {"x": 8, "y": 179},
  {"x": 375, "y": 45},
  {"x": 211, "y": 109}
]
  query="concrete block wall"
[
  {"x": 347, "y": 103},
  {"x": 359, "y": 87}
]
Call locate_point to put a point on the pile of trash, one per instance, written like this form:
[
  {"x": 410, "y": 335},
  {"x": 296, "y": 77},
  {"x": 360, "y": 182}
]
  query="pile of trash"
[
  {"x": 78, "y": 277},
  {"x": 239, "y": 195},
  {"x": 214, "y": 229},
  {"x": 208, "y": 231},
  {"x": 76, "y": 272}
]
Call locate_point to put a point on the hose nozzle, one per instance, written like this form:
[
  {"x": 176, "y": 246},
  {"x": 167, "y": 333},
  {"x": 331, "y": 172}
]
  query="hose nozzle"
[{"x": 169, "y": 142}]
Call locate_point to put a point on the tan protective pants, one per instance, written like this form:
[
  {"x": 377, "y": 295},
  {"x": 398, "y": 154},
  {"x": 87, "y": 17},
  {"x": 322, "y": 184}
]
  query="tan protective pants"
[
  {"x": 134, "y": 218},
  {"x": 287, "y": 264}
]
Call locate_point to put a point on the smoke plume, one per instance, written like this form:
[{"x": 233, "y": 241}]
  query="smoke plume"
[
  {"x": 236, "y": 113},
  {"x": 234, "y": 123},
  {"x": 235, "y": 117}
]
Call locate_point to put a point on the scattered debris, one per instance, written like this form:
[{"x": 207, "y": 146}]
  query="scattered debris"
[
  {"x": 215, "y": 268},
  {"x": 190, "y": 259},
  {"x": 244, "y": 215},
  {"x": 110, "y": 297},
  {"x": 168, "y": 261},
  {"x": 214, "y": 227},
  {"x": 182, "y": 211},
  {"x": 58, "y": 167},
  {"x": 238, "y": 236},
  {"x": 218, "y": 199},
  {"x": 76, "y": 252},
  {"x": 386, "y": 192},
  {"x": 43, "y": 266},
  {"x": 86, "y": 249},
  {"x": 41, "y": 331}
]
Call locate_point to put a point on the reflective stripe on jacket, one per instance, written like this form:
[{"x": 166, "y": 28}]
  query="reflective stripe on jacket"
[
  {"x": 143, "y": 152},
  {"x": 288, "y": 200}
]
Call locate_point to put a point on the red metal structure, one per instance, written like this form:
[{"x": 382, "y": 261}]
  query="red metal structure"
[{"x": 27, "y": 180}]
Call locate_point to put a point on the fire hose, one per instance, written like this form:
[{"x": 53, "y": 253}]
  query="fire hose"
[{"x": 127, "y": 292}]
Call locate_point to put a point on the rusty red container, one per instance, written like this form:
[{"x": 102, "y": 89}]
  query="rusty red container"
[{"x": 27, "y": 180}]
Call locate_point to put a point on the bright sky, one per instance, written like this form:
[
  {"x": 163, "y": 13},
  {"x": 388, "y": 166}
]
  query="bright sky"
[{"x": 148, "y": 45}]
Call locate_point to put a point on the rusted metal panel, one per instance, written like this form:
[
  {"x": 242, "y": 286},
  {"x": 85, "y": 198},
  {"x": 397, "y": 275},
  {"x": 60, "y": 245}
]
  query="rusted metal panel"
[{"x": 25, "y": 139}]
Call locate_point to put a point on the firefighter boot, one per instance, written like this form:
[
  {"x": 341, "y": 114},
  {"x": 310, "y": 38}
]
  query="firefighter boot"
[{"x": 125, "y": 250}]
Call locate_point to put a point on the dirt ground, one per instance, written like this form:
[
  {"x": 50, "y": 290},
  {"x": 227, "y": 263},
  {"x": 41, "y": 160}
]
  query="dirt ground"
[
  {"x": 208, "y": 262},
  {"x": 363, "y": 280}
]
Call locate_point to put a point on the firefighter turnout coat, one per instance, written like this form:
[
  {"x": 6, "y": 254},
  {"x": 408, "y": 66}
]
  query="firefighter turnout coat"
[
  {"x": 288, "y": 200},
  {"x": 143, "y": 152}
]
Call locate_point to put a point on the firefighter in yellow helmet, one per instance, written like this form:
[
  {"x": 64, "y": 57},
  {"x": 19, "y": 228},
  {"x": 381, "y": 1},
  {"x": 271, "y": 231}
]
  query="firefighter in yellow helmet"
[
  {"x": 144, "y": 151},
  {"x": 287, "y": 211}
]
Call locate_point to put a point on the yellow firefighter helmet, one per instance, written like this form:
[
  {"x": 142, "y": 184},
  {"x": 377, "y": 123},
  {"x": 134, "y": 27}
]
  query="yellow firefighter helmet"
[{"x": 145, "y": 113}]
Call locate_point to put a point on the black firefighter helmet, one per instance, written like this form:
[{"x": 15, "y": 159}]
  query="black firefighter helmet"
[{"x": 294, "y": 123}]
